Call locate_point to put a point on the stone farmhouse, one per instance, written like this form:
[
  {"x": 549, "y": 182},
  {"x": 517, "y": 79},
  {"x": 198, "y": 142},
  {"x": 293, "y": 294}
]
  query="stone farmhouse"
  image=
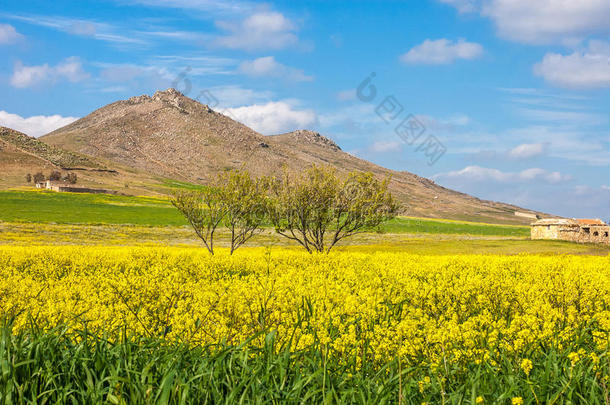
[
  {"x": 574, "y": 230},
  {"x": 69, "y": 188}
]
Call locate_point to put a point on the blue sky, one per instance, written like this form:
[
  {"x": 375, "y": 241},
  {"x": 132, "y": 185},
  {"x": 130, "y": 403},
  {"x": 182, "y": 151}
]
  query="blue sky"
[{"x": 511, "y": 97}]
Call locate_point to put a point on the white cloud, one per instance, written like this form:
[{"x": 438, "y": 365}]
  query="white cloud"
[
  {"x": 580, "y": 70},
  {"x": 263, "y": 30},
  {"x": 463, "y": 6},
  {"x": 269, "y": 67},
  {"x": 146, "y": 77},
  {"x": 200, "y": 64},
  {"x": 273, "y": 117},
  {"x": 346, "y": 95},
  {"x": 449, "y": 124},
  {"x": 561, "y": 116},
  {"x": 123, "y": 73},
  {"x": 37, "y": 125},
  {"x": 604, "y": 187},
  {"x": 579, "y": 144},
  {"x": 26, "y": 76},
  {"x": 442, "y": 51},
  {"x": 92, "y": 29},
  {"x": 528, "y": 150},
  {"x": 8, "y": 34},
  {"x": 484, "y": 174},
  {"x": 233, "y": 95},
  {"x": 576, "y": 141},
  {"x": 70, "y": 69},
  {"x": 167, "y": 70},
  {"x": 230, "y": 7},
  {"x": 82, "y": 28},
  {"x": 385, "y": 146},
  {"x": 542, "y": 21},
  {"x": 114, "y": 89}
]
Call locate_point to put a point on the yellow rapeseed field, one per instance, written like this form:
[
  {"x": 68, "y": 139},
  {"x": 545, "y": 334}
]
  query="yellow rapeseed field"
[{"x": 428, "y": 309}]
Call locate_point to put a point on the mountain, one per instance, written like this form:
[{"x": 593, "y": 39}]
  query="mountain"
[
  {"x": 15, "y": 161},
  {"x": 167, "y": 134},
  {"x": 21, "y": 155},
  {"x": 172, "y": 136},
  {"x": 20, "y": 143}
]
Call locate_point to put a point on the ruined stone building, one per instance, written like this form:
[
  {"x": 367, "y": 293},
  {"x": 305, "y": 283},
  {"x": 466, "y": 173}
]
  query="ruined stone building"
[
  {"x": 574, "y": 230},
  {"x": 68, "y": 188}
]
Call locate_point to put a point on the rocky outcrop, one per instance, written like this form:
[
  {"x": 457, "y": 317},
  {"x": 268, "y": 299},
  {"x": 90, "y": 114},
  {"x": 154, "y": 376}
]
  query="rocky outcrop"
[{"x": 313, "y": 137}]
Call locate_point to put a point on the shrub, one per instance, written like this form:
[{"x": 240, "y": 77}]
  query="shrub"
[
  {"x": 71, "y": 178},
  {"x": 245, "y": 204},
  {"x": 235, "y": 200},
  {"x": 39, "y": 177},
  {"x": 204, "y": 210},
  {"x": 55, "y": 175},
  {"x": 317, "y": 209}
]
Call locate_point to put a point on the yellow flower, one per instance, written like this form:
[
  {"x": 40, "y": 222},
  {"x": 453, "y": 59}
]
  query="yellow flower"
[
  {"x": 423, "y": 383},
  {"x": 517, "y": 401},
  {"x": 594, "y": 358},
  {"x": 479, "y": 400},
  {"x": 574, "y": 357},
  {"x": 526, "y": 366},
  {"x": 411, "y": 305}
]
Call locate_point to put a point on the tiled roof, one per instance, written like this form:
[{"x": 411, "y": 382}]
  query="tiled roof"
[
  {"x": 590, "y": 221},
  {"x": 556, "y": 221}
]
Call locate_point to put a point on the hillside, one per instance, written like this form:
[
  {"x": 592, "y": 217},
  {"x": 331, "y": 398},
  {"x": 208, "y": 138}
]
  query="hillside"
[
  {"x": 167, "y": 134},
  {"x": 176, "y": 137},
  {"x": 21, "y": 154},
  {"x": 422, "y": 197},
  {"x": 53, "y": 155},
  {"x": 16, "y": 162}
]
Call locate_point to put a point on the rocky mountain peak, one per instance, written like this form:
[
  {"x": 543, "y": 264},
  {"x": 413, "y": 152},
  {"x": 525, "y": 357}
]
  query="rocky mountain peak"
[
  {"x": 315, "y": 137},
  {"x": 169, "y": 94},
  {"x": 139, "y": 99},
  {"x": 173, "y": 98}
]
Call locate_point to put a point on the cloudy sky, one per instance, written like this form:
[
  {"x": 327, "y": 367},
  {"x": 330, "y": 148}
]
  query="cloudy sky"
[{"x": 504, "y": 99}]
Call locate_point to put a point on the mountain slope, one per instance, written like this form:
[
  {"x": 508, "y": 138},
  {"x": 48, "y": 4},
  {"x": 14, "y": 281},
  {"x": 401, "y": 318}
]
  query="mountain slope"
[
  {"x": 173, "y": 136},
  {"x": 167, "y": 134},
  {"x": 422, "y": 197},
  {"x": 51, "y": 155},
  {"x": 16, "y": 162},
  {"x": 21, "y": 155}
]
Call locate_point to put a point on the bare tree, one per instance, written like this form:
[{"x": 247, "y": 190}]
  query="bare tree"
[
  {"x": 245, "y": 201},
  {"x": 235, "y": 200},
  {"x": 362, "y": 203},
  {"x": 317, "y": 209},
  {"x": 55, "y": 175},
  {"x": 71, "y": 178},
  {"x": 204, "y": 210},
  {"x": 39, "y": 177}
]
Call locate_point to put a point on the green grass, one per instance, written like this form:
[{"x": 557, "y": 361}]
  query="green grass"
[
  {"x": 50, "y": 366},
  {"x": 182, "y": 185},
  {"x": 446, "y": 227},
  {"x": 73, "y": 208}
]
